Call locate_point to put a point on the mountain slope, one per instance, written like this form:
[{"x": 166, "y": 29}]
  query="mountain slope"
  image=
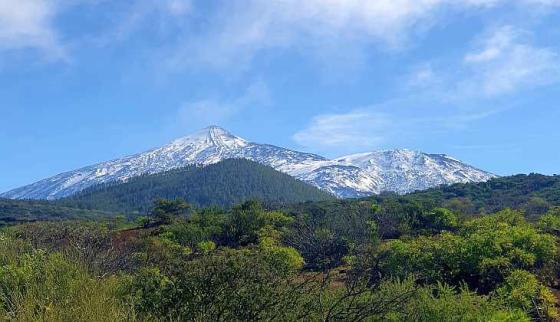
[
  {"x": 16, "y": 211},
  {"x": 404, "y": 171},
  {"x": 204, "y": 147},
  {"x": 533, "y": 193},
  {"x": 351, "y": 176},
  {"x": 225, "y": 183}
]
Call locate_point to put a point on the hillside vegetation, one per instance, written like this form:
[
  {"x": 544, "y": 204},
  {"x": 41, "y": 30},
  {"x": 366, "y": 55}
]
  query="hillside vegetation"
[
  {"x": 16, "y": 211},
  {"x": 534, "y": 193},
  {"x": 222, "y": 184},
  {"x": 250, "y": 264},
  {"x": 475, "y": 252}
]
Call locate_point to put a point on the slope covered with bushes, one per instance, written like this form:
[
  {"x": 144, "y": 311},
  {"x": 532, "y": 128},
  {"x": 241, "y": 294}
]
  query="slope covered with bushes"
[
  {"x": 223, "y": 184},
  {"x": 250, "y": 263}
]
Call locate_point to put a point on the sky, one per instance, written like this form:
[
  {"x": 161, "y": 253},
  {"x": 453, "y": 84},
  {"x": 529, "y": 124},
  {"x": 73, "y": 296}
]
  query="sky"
[{"x": 84, "y": 81}]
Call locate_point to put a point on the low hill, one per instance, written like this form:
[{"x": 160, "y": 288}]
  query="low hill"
[
  {"x": 222, "y": 184},
  {"x": 398, "y": 215},
  {"x": 16, "y": 211},
  {"x": 533, "y": 193}
]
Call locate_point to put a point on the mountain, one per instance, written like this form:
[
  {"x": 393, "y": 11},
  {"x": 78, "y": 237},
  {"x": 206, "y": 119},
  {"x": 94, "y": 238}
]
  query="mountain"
[
  {"x": 225, "y": 183},
  {"x": 351, "y": 176},
  {"x": 404, "y": 171}
]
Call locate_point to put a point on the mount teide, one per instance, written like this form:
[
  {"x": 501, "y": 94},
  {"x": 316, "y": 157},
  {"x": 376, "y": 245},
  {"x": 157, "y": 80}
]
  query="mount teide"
[{"x": 349, "y": 176}]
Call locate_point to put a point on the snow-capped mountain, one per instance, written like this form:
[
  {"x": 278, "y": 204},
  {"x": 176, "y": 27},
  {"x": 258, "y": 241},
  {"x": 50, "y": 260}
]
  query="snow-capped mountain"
[
  {"x": 404, "y": 170},
  {"x": 350, "y": 176}
]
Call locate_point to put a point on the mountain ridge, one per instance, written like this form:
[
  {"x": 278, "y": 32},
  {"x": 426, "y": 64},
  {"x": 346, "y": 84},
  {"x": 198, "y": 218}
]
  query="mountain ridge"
[{"x": 355, "y": 175}]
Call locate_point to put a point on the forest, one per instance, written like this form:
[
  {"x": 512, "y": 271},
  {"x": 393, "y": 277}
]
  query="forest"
[
  {"x": 384, "y": 258},
  {"x": 225, "y": 183}
]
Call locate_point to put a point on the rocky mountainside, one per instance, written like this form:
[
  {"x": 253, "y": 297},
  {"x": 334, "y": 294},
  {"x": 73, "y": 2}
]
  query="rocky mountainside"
[{"x": 349, "y": 176}]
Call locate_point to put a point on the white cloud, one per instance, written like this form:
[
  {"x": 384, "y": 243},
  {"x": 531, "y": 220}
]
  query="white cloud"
[
  {"x": 243, "y": 29},
  {"x": 500, "y": 62},
  {"x": 506, "y": 61},
  {"x": 446, "y": 97},
  {"x": 423, "y": 76},
  {"x": 28, "y": 24},
  {"x": 402, "y": 122},
  {"x": 356, "y": 129}
]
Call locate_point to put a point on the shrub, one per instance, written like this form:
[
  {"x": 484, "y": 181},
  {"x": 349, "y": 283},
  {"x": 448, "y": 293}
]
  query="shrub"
[
  {"x": 482, "y": 253},
  {"x": 38, "y": 286},
  {"x": 522, "y": 290},
  {"x": 223, "y": 285}
]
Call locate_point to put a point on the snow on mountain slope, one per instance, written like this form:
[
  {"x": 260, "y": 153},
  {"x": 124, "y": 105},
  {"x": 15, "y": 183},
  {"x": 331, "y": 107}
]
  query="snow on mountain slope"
[
  {"x": 344, "y": 181},
  {"x": 405, "y": 171},
  {"x": 351, "y": 176}
]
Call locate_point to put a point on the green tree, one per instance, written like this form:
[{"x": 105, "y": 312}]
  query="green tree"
[
  {"x": 442, "y": 302},
  {"x": 39, "y": 286},
  {"x": 165, "y": 211},
  {"x": 441, "y": 219},
  {"x": 550, "y": 222},
  {"x": 246, "y": 221}
]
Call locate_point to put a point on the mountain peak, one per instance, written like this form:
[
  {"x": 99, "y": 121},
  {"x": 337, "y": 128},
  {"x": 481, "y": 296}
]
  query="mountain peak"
[
  {"x": 213, "y": 136},
  {"x": 215, "y": 128},
  {"x": 212, "y": 130}
]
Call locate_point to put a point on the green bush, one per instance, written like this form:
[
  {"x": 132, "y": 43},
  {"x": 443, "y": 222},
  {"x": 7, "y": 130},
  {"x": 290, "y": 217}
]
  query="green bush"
[
  {"x": 522, "y": 290},
  {"x": 550, "y": 222},
  {"x": 40, "y": 286},
  {"x": 445, "y": 303},
  {"x": 441, "y": 219},
  {"x": 225, "y": 285},
  {"x": 481, "y": 254}
]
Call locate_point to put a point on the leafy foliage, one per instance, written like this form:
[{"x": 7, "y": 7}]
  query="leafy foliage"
[
  {"x": 40, "y": 286},
  {"x": 445, "y": 303},
  {"x": 224, "y": 285},
  {"x": 385, "y": 258},
  {"x": 522, "y": 290},
  {"x": 482, "y": 254}
]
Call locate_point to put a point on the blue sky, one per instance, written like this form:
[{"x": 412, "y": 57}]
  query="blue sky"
[{"x": 83, "y": 81}]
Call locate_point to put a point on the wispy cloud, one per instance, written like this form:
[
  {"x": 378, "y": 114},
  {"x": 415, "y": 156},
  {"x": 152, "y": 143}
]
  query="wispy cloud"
[
  {"x": 142, "y": 16},
  {"x": 443, "y": 98},
  {"x": 203, "y": 112},
  {"x": 28, "y": 24},
  {"x": 318, "y": 28},
  {"x": 400, "y": 121},
  {"x": 244, "y": 29},
  {"x": 424, "y": 76},
  {"x": 506, "y": 61},
  {"x": 356, "y": 129},
  {"x": 501, "y": 61}
]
